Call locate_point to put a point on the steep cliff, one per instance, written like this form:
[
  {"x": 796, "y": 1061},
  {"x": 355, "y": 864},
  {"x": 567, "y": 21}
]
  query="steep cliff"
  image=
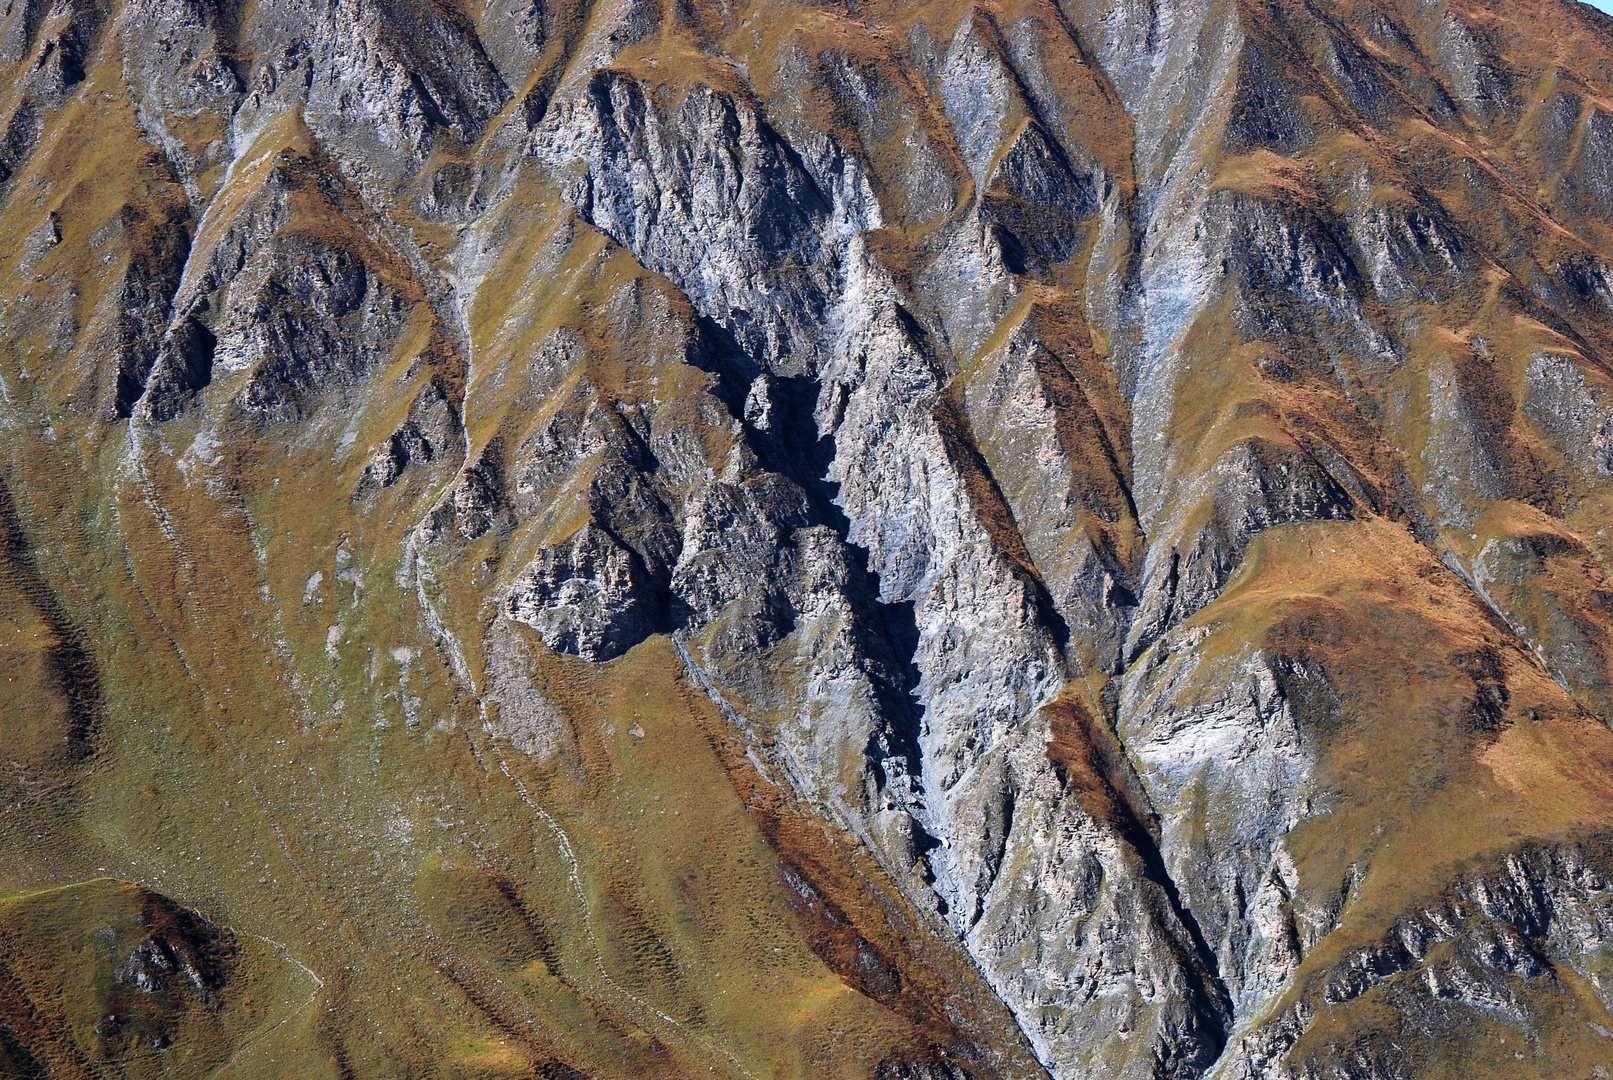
[{"x": 923, "y": 541}]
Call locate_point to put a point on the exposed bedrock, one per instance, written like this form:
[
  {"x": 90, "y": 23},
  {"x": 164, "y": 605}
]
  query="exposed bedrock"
[{"x": 1137, "y": 469}]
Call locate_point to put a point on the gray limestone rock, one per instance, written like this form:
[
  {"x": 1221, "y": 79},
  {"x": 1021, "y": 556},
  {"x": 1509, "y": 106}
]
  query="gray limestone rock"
[{"x": 588, "y": 595}]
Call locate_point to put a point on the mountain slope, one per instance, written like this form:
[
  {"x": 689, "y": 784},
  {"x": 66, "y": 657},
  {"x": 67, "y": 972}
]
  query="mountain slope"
[{"x": 1026, "y": 539}]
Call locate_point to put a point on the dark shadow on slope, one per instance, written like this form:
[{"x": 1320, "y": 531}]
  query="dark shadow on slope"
[
  {"x": 792, "y": 446},
  {"x": 184, "y": 367},
  {"x": 69, "y": 662}
]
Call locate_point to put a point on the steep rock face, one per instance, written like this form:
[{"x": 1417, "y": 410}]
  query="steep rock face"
[
  {"x": 1117, "y": 491},
  {"x": 1043, "y": 402},
  {"x": 706, "y": 193},
  {"x": 919, "y": 499},
  {"x": 1231, "y": 777}
]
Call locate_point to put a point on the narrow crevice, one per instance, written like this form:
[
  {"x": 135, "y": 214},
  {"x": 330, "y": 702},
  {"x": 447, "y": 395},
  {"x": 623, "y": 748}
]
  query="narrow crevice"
[{"x": 792, "y": 446}]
